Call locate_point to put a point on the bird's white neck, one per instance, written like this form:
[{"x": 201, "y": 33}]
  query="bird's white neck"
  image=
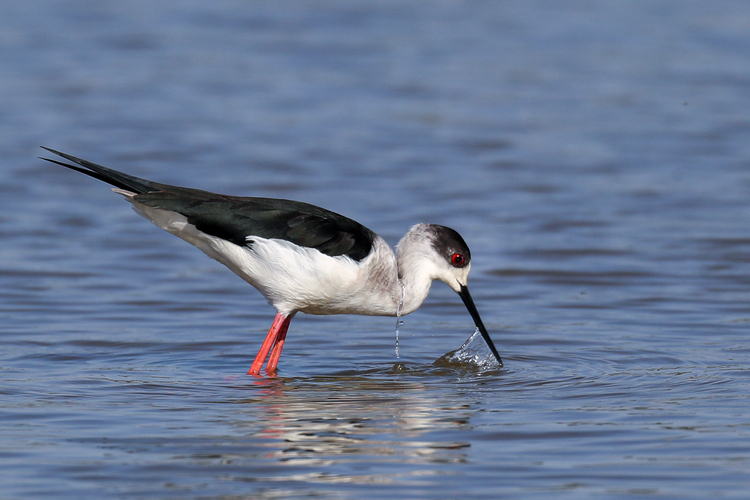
[
  {"x": 396, "y": 283},
  {"x": 413, "y": 259}
]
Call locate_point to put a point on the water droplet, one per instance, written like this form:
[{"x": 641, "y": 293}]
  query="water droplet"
[{"x": 398, "y": 312}]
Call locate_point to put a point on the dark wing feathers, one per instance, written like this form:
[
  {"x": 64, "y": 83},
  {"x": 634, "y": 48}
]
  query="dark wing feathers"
[
  {"x": 113, "y": 177},
  {"x": 238, "y": 219}
]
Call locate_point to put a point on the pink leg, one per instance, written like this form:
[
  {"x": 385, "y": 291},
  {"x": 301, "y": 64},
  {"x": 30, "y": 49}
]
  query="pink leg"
[
  {"x": 273, "y": 333},
  {"x": 273, "y": 360}
]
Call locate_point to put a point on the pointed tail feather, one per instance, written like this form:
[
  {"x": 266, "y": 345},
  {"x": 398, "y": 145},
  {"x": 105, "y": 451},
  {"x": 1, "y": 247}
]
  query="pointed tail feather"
[{"x": 108, "y": 175}]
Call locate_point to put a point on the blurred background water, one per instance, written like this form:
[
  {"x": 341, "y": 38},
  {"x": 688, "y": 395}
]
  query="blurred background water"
[{"x": 594, "y": 155}]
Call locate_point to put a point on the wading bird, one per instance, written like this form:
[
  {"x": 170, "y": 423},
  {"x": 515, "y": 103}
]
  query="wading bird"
[{"x": 301, "y": 258}]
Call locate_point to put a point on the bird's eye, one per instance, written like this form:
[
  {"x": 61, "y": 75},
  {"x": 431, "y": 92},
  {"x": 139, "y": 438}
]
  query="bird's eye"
[{"x": 458, "y": 260}]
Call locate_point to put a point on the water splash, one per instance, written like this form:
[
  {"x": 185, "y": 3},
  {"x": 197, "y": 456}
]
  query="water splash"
[
  {"x": 473, "y": 352},
  {"x": 398, "y": 313}
]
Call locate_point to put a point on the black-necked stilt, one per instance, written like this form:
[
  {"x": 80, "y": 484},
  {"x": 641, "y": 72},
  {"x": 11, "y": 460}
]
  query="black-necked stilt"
[{"x": 299, "y": 256}]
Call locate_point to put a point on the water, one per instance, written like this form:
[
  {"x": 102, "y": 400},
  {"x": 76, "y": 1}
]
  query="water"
[
  {"x": 399, "y": 321},
  {"x": 474, "y": 353},
  {"x": 592, "y": 154}
]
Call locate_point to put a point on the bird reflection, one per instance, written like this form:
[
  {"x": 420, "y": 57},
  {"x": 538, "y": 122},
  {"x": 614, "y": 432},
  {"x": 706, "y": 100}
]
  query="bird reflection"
[{"x": 328, "y": 420}]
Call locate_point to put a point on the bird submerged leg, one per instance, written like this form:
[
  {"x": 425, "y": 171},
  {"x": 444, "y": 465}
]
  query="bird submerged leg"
[{"x": 275, "y": 338}]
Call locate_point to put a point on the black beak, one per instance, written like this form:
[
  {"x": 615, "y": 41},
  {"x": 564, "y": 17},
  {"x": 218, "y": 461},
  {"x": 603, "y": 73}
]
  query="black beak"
[{"x": 466, "y": 297}]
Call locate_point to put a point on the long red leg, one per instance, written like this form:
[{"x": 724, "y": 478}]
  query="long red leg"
[
  {"x": 273, "y": 360},
  {"x": 273, "y": 333}
]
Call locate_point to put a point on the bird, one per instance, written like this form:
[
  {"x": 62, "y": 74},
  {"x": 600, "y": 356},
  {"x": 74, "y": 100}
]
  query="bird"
[{"x": 300, "y": 257}]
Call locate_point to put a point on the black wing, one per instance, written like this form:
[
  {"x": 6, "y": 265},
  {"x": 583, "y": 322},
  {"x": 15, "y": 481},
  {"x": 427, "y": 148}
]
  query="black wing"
[{"x": 238, "y": 219}]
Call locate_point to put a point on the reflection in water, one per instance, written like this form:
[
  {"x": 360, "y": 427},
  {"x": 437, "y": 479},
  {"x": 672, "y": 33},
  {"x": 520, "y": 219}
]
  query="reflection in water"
[{"x": 334, "y": 421}]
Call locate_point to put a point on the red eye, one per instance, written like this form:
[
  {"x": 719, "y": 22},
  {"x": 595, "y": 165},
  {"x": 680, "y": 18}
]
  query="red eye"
[{"x": 458, "y": 260}]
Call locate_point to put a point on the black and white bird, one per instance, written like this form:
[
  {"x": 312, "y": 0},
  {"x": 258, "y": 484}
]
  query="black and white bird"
[{"x": 302, "y": 258}]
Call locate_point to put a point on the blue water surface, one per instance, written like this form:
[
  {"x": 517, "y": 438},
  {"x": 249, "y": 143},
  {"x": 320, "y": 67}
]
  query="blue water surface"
[{"x": 594, "y": 155}]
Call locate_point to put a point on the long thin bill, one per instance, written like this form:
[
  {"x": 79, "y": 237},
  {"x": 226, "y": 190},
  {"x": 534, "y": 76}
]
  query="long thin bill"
[{"x": 469, "y": 303}]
